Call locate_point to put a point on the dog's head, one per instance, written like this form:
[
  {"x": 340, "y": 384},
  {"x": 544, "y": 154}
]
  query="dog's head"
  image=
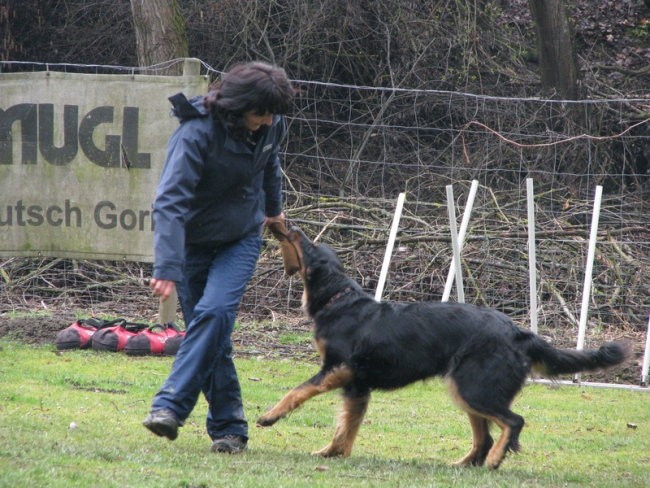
[
  {"x": 314, "y": 258},
  {"x": 321, "y": 269}
]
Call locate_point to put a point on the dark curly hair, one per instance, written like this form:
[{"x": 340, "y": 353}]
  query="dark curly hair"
[{"x": 253, "y": 86}]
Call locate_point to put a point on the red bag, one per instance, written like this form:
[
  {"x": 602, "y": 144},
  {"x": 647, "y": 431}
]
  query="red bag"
[
  {"x": 157, "y": 339},
  {"x": 114, "y": 338},
  {"x": 78, "y": 335}
]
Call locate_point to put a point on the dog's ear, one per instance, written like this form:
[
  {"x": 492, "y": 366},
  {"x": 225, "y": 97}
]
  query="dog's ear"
[
  {"x": 328, "y": 257},
  {"x": 322, "y": 265}
]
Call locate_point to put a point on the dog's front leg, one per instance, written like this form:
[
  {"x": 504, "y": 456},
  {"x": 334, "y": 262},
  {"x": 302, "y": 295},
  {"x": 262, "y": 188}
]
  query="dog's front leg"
[
  {"x": 324, "y": 381},
  {"x": 354, "y": 408}
]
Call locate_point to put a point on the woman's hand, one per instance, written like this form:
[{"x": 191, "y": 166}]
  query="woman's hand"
[
  {"x": 162, "y": 288},
  {"x": 278, "y": 218}
]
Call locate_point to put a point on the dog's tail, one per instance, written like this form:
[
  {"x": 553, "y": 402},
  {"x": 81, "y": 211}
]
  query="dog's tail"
[{"x": 550, "y": 361}]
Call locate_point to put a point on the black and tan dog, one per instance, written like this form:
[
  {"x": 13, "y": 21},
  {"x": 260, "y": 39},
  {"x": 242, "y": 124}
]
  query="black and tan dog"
[{"x": 366, "y": 345}]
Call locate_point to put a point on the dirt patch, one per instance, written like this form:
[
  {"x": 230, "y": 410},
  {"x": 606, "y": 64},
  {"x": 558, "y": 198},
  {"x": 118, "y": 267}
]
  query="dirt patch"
[
  {"x": 286, "y": 339},
  {"x": 289, "y": 339},
  {"x": 33, "y": 330}
]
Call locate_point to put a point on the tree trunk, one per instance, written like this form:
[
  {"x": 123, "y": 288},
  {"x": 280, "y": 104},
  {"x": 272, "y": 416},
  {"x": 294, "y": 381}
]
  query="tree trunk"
[
  {"x": 558, "y": 65},
  {"x": 160, "y": 34}
]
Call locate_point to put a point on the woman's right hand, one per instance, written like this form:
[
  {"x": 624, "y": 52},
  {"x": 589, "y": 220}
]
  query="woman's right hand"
[{"x": 162, "y": 288}]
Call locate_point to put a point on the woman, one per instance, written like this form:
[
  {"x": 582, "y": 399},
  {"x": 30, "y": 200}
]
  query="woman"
[{"x": 220, "y": 185}]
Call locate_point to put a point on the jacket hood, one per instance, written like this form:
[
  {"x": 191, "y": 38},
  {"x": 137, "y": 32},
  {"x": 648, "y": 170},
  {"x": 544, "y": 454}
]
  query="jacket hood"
[{"x": 184, "y": 108}]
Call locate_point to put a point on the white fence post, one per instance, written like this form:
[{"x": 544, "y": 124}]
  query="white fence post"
[
  {"x": 532, "y": 258},
  {"x": 586, "y": 289},
  {"x": 461, "y": 239},
  {"x": 646, "y": 358},
  {"x": 389, "y": 246},
  {"x": 451, "y": 209}
]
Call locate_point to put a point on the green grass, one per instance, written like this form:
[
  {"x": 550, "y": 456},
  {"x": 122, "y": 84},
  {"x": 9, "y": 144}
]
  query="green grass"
[
  {"x": 295, "y": 338},
  {"x": 574, "y": 436}
]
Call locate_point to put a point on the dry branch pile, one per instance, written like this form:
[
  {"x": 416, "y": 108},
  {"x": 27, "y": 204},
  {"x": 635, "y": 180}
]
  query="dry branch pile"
[
  {"x": 494, "y": 264},
  {"x": 395, "y": 103}
]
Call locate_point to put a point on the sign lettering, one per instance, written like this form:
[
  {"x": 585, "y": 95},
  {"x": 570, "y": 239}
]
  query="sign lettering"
[
  {"x": 80, "y": 159},
  {"x": 118, "y": 149}
]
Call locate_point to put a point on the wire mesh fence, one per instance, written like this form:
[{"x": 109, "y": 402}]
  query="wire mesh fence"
[{"x": 352, "y": 149}]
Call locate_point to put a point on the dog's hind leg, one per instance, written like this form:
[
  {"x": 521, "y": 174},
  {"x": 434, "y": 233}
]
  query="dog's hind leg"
[
  {"x": 350, "y": 418},
  {"x": 484, "y": 411},
  {"x": 486, "y": 400},
  {"x": 481, "y": 442},
  {"x": 323, "y": 382},
  {"x": 484, "y": 379},
  {"x": 511, "y": 425}
]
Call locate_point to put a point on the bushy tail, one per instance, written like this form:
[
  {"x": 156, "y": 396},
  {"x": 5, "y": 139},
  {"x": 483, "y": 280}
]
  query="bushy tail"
[{"x": 550, "y": 361}]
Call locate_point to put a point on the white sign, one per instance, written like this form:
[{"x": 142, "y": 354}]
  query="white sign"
[{"x": 80, "y": 159}]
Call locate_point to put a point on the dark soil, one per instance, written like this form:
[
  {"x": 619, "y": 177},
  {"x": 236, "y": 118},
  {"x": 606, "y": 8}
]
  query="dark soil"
[
  {"x": 249, "y": 339},
  {"x": 291, "y": 339}
]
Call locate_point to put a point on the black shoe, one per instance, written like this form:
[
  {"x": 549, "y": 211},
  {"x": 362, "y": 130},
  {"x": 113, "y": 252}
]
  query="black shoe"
[
  {"x": 163, "y": 422},
  {"x": 232, "y": 444}
]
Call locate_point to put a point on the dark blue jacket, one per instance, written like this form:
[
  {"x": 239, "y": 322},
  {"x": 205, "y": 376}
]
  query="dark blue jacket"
[{"x": 213, "y": 189}]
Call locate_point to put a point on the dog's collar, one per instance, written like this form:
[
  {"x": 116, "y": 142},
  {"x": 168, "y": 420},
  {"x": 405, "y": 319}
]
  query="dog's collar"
[{"x": 338, "y": 295}]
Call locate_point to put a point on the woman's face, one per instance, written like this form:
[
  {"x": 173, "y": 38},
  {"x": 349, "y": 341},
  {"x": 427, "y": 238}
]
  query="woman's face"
[{"x": 253, "y": 120}]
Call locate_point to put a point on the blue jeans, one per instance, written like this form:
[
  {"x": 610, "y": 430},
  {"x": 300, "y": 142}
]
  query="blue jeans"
[{"x": 214, "y": 282}]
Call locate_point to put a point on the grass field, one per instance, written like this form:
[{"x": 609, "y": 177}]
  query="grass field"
[{"x": 74, "y": 420}]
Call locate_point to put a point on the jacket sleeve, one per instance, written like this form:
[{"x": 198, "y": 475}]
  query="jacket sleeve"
[
  {"x": 174, "y": 196},
  {"x": 273, "y": 174}
]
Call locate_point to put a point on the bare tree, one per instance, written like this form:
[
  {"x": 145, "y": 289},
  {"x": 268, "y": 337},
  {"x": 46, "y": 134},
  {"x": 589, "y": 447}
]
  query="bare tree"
[
  {"x": 558, "y": 65},
  {"x": 160, "y": 33}
]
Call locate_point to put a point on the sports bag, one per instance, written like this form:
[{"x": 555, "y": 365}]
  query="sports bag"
[
  {"x": 114, "y": 338},
  {"x": 155, "y": 340},
  {"x": 78, "y": 335}
]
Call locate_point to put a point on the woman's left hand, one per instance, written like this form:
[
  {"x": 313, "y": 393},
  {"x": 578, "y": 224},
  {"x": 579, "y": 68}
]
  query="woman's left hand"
[{"x": 278, "y": 218}]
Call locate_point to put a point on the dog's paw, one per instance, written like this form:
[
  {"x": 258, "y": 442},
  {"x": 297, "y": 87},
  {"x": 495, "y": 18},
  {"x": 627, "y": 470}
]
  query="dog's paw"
[
  {"x": 330, "y": 451},
  {"x": 266, "y": 421},
  {"x": 463, "y": 463},
  {"x": 494, "y": 461}
]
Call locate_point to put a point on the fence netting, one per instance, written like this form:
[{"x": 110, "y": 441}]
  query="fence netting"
[{"x": 351, "y": 150}]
